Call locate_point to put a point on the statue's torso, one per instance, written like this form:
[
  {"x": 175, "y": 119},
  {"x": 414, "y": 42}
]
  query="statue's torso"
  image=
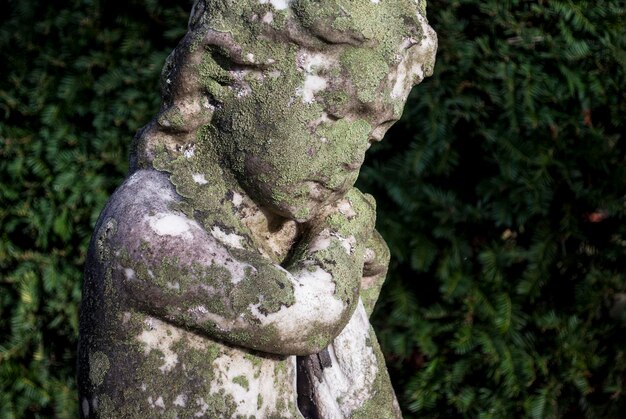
[{"x": 133, "y": 364}]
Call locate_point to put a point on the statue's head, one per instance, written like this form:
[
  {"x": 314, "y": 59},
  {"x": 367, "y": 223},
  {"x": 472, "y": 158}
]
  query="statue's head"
[{"x": 290, "y": 93}]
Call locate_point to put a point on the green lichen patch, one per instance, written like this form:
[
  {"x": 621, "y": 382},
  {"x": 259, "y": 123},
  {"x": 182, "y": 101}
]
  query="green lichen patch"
[
  {"x": 268, "y": 286},
  {"x": 343, "y": 268},
  {"x": 367, "y": 69},
  {"x": 242, "y": 381},
  {"x": 98, "y": 367},
  {"x": 171, "y": 118},
  {"x": 104, "y": 235}
]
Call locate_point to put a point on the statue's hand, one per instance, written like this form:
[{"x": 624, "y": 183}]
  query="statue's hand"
[
  {"x": 353, "y": 217},
  {"x": 377, "y": 256},
  {"x": 374, "y": 270}
]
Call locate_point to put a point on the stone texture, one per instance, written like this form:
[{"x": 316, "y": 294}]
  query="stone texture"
[{"x": 233, "y": 272}]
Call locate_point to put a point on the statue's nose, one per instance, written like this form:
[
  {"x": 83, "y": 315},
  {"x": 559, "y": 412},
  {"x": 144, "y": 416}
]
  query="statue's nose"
[{"x": 379, "y": 131}]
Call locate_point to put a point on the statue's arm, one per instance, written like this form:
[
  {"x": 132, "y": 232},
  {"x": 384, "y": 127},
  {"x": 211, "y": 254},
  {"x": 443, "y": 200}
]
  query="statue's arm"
[{"x": 169, "y": 267}]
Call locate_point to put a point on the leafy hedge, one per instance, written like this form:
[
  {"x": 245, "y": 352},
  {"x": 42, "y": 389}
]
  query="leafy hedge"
[
  {"x": 79, "y": 77},
  {"x": 501, "y": 194}
]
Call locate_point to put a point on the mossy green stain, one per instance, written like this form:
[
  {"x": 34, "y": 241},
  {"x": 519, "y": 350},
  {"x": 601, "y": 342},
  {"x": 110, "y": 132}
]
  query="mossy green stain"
[
  {"x": 242, "y": 381},
  {"x": 98, "y": 367},
  {"x": 106, "y": 232},
  {"x": 171, "y": 118},
  {"x": 366, "y": 69}
]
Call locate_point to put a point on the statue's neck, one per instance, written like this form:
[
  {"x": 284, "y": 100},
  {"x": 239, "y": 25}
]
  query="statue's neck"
[{"x": 212, "y": 194}]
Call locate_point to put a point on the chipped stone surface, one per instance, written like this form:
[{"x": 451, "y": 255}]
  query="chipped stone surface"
[{"x": 233, "y": 272}]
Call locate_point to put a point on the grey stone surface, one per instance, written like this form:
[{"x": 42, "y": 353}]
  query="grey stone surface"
[{"x": 232, "y": 274}]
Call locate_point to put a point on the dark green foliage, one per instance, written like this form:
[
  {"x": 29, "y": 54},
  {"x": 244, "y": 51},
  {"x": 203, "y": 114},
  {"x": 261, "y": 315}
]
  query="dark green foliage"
[
  {"x": 78, "y": 79},
  {"x": 502, "y": 196}
]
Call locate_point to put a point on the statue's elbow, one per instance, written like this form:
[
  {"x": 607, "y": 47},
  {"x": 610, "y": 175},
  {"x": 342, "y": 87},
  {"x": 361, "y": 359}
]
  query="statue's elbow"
[{"x": 314, "y": 343}]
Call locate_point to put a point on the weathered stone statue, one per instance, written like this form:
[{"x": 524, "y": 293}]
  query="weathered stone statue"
[{"x": 233, "y": 272}]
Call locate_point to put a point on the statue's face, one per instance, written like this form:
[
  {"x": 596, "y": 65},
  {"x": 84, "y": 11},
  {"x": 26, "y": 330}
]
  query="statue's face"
[{"x": 297, "y": 132}]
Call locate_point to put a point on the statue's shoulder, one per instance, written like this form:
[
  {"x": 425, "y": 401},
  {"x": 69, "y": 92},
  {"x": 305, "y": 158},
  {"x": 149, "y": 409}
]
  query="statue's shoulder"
[
  {"x": 142, "y": 195},
  {"x": 141, "y": 192},
  {"x": 146, "y": 215}
]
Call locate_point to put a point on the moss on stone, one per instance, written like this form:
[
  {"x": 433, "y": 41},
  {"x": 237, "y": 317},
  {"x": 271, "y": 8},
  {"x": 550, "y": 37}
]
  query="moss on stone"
[
  {"x": 367, "y": 69},
  {"x": 98, "y": 367},
  {"x": 242, "y": 381},
  {"x": 104, "y": 235},
  {"x": 171, "y": 118}
]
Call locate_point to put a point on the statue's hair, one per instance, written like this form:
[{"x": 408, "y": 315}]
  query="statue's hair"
[{"x": 188, "y": 103}]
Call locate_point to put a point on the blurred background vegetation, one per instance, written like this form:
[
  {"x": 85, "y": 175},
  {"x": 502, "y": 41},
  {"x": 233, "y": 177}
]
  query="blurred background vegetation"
[{"x": 501, "y": 194}]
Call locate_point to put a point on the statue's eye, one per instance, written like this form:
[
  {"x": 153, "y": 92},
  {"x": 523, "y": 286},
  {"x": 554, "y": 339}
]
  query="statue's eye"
[
  {"x": 335, "y": 115},
  {"x": 336, "y": 105}
]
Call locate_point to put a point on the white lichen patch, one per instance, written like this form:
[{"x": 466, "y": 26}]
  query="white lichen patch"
[
  {"x": 311, "y": 64},
  {"x": 237, "y": 199},
  {"x": 199, "y": 179},
  {"x": 135, "y": 177},
  {"x": 268, "y": 18},
  {"x": 160, "y": 336},
  {"x": 408, "y": 73},
  {"x": 315, "y": 303},
  {"x": 227, "y": 239},
  {"x": 369, "y": 256},
  {"x": 345, "y": 207},
  {"x": 241, "y": 86},
  {"x": 348, "y": 383},
  {"x": 202, "y": 315},
  {"x": 323, "y": 119},
  {"x": 180, "y": 400},
  {"x": 168, "y": 224},
  {"x": 312, "y": 85},
  {"x": 325, "y": 238},
  {"x": 85, "y": 406},
  {"x": 245, "y": 381},
  {"x": 201, "y": 309},
  {"x": 156, "y": 403},
  {"x": 173, "y": 285},
  {"x": 277, "y": 4},
  {"x": 410, "y": 69},
  {"x": 347, "y": 243},
  {"x": 204, "y": 407},
  {"x": 189, "y": 151},
  {"x": 129, "y": 274}
]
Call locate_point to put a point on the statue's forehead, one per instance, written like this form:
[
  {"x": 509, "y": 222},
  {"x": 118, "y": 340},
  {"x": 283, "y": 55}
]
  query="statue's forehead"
[
  {"x": 384, "y": 26},
  {"x": 371, "y": 18}
]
